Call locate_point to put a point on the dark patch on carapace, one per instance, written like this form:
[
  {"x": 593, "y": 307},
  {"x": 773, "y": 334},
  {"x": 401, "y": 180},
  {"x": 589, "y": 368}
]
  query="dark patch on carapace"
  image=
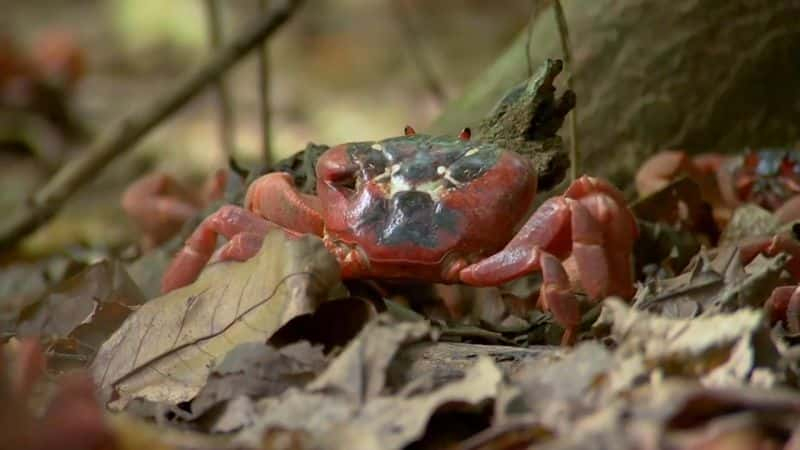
[{"x": 413, "y": 217}]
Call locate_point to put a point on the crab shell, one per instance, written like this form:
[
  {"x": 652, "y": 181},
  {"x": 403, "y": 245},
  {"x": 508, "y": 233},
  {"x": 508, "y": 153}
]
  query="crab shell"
[{"x": 421, "y": 206}]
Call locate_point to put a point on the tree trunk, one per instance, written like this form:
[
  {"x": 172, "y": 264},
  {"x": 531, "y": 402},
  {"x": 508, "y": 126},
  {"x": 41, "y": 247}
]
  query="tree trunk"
[{"x": 711, "y": 75}]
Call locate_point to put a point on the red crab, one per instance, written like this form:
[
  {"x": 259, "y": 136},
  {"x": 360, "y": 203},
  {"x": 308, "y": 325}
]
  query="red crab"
[
  {"x": 55, "y": 65},
  {"x": 439, "y": 209},
  {"x": 783, "y": 304},
  {"x": 160, "y": 205},
  {"x": 770, "y": 178}
]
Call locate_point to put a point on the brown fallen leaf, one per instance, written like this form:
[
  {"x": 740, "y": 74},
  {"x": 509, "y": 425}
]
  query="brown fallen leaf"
[
  {"x": 76, "y": 316},
  {"x": 24, "y": 283},
  {"x": 347, "y": 406},
  {"x": 722, "y": 349},
  {"x": 555, "y": 391},
  {"x": 709, "y": 286},
  {"x": 386, "y": 422},
  {"x": 749, "y": 220},
  {"x": 256, "y": 370},
  {"x": 165, "y": 351},
  {"x": 360, "y": 372}
]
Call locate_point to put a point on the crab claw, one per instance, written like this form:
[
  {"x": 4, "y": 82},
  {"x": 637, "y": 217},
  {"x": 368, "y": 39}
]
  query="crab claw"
[{"x": 272, "y": 202}]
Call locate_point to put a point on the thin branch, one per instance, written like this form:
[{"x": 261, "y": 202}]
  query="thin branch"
[
  {"x": 417, "y": 51},
  {"x": 227, "y": 126},
  {"x": 121, "y": 137},
  {"x": 529, "y": 37},
  {"x": 574, "y": 153},
  {"x": 264, "y": 96}
]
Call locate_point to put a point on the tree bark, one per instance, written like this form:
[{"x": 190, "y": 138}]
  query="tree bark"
[{"x": 710, "y": 75}]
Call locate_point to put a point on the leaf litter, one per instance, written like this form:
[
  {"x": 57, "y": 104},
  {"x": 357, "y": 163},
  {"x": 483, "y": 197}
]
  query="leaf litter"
[{"x": 276, "y": 353}]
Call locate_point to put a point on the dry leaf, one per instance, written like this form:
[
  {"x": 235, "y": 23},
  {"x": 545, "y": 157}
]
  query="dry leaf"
[
  {"x": 76, "y": 316},
  {"x": 558, "y": 390},
  {"x": 386, "y": 422},
  {"x": 164, "y": 352},
  {"x": 360, "y": 372},
  {"x": 711, "y": 286},
  {"x": 697, "y": 346},
  {"x": 345, "y": 408},
  {"x": 256, "y": 370},
  {"x": 749, "y": 220}
]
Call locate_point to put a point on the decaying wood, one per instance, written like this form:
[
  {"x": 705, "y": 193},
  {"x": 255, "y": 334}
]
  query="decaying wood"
[{"x": 441, "y": 362}]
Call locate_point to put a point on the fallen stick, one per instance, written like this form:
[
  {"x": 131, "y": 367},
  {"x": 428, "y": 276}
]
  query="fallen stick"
[{"x": 47, "y": 201}]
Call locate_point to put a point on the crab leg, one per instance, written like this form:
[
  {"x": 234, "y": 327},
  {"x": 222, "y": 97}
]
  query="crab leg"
[
  {"x": 771, "y": 246},
  {"x": 547, "y": 229},
  {"x": 272, "y": 202},
  {"x": 275, "y": 198},
  {"x": 602, "y": 243},
  {"x": 556, "y": 296},
  {"x": 228, "y": 221},
  {"x": 784, "y": 305},
  {"x": 159, "y": 205},
  {"x": 590, "y": 223}
]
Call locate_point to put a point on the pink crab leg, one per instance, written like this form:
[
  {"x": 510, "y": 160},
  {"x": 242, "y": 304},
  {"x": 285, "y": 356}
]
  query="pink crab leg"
[
  {"x": 241, "y": 247},
  {"x": 784, "y": 305},
  {"x": 603, "y": 233},
  {"x": 271, "y": 202},
  {"x": 771, "y": 246},
  {"x": 556, "y": 296},
  {"x": 661, "y": 168},
  {"x": 789, "y": 211},
  {"x": 589, "y": 252},
  {"x": 228, "y": 221},
  {"x": 159, "y": 205},
  {"x": 547, "y": 229},
  {"x": 275, "y": 198}
]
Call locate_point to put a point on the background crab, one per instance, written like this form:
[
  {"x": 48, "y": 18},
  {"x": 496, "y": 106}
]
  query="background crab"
[{"x": 769, "y": 178}]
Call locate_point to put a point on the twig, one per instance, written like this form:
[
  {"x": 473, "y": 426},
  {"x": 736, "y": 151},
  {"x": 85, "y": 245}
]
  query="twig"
[
  {"x": 264, "y": 98},
  {"x": 417, "y": 51},
  {"x": 574, "y": 153},
  {"x": 227, "y": 126},
  {"x": 529, "y": 38},
  {"x": 119, "y": 138}
]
